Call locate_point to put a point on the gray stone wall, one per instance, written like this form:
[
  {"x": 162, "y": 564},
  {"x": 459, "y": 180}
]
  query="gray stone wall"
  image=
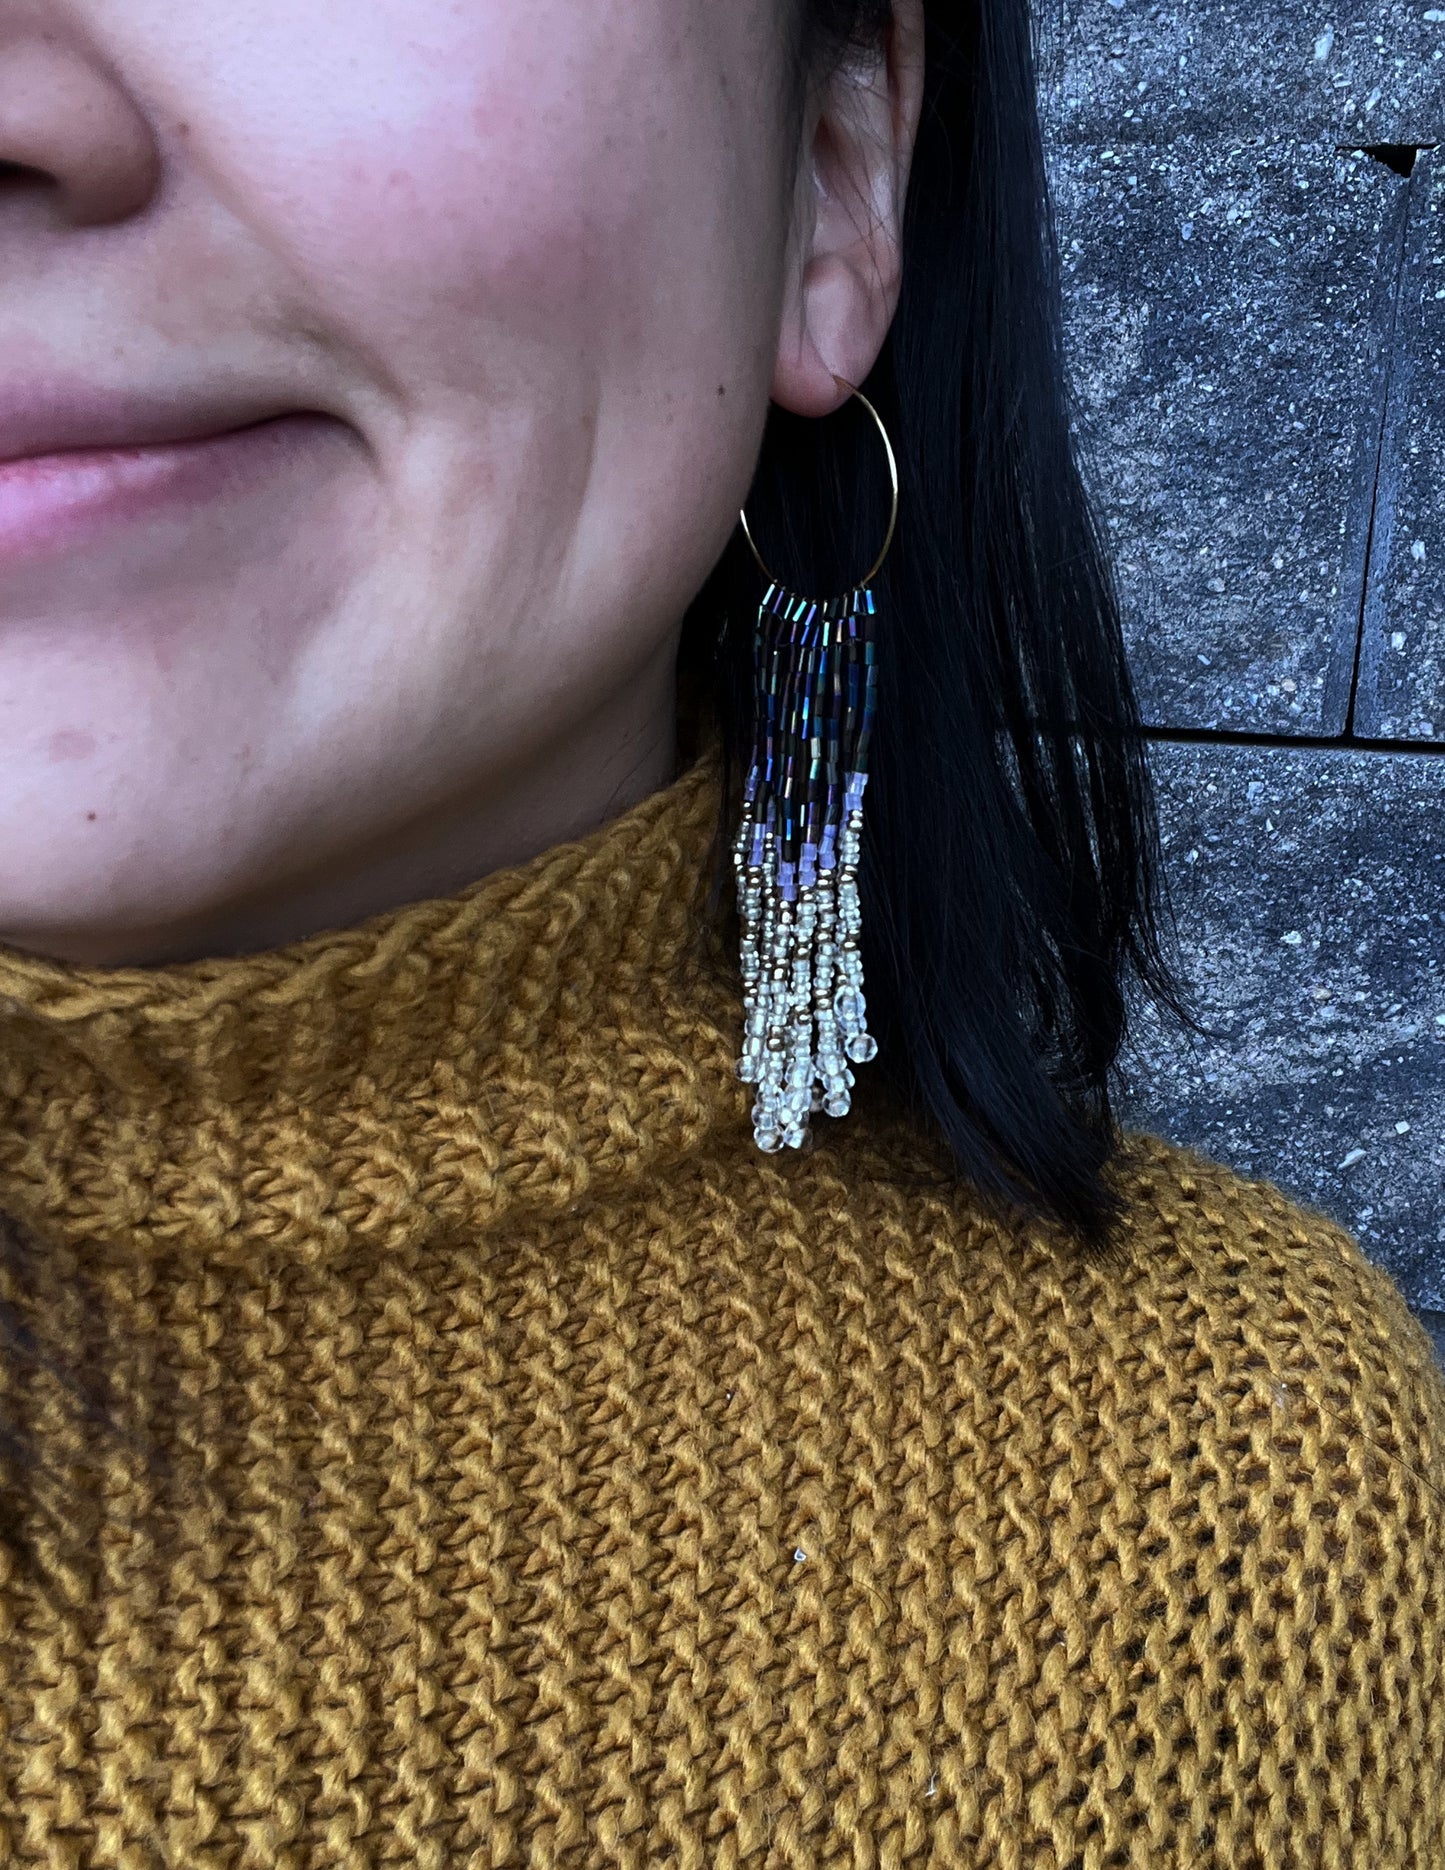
[{"x": 1250, "y": 203}]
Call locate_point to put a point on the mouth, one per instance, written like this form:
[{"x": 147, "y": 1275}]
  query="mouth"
[
  {"x": 73, "y": 496},
  {"x": 44, "y": 417}
]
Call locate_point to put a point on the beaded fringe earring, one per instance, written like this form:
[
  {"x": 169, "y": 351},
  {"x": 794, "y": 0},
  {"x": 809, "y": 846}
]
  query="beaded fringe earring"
[{"x": 796, "y": 850}]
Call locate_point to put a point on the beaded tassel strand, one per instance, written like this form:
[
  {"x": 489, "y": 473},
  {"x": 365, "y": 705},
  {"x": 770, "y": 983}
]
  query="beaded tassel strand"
[{"x": 796, "y": 861}]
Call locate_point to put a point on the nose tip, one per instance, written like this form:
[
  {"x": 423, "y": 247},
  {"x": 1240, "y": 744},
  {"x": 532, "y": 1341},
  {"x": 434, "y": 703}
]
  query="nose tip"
[{"x": 68, "y": 126}]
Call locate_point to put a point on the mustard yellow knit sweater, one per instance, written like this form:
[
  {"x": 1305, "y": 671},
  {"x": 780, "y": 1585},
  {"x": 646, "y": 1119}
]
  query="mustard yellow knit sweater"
[{"x": 508, "y": 1464}]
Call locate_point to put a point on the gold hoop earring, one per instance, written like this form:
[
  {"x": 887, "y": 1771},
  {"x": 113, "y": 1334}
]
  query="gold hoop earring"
[
  {"x": 892, "y": 518},
  {"x": 797, "y": 846}
]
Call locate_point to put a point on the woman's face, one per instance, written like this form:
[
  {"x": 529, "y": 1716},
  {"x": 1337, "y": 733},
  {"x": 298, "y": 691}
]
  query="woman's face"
[{"x": 531, "y": 266}]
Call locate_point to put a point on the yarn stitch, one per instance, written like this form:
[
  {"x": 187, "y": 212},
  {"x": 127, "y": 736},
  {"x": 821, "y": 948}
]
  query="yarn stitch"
[{"x": 547, "y": 1477}]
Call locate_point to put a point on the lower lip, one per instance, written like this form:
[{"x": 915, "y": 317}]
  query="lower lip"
[{"x": 65, "y": 500}]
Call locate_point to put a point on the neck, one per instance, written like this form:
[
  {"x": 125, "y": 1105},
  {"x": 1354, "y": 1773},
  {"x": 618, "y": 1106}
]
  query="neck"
[
  {"x": 546, "y": 1031},
  {"x": 571, "y": 781}
]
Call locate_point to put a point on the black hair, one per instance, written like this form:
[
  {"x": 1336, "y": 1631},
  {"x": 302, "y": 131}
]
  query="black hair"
[{"x": 1011, "y": 873}]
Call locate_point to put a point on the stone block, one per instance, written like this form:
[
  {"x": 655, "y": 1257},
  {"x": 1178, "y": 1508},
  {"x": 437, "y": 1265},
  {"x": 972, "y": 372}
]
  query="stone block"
[
  {"x": 1309, "y": 887},
  {"x": 1227, "y": 308},
  {"x": 1401, "y": 688},
  {"x": 1365, "y": 74}
]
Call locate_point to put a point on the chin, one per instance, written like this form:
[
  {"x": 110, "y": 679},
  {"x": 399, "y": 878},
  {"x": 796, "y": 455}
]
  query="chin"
[{"x": 72, "y": 888}]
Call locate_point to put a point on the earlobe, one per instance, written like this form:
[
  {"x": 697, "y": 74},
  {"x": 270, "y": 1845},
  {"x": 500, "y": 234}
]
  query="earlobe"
[{"x": 825, "y": 339}]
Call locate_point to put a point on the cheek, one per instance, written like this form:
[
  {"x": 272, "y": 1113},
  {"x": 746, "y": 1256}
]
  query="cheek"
[
  {"x": 570, "y": 178},
  {"x": 424, "y": 249}
]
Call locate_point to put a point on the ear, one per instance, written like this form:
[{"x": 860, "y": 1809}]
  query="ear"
[{"x": 845, "y": 252}]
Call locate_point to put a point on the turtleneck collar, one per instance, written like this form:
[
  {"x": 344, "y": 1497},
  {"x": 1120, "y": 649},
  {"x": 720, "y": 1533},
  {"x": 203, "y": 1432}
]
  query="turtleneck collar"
[{"x": 541, "y": 1033}]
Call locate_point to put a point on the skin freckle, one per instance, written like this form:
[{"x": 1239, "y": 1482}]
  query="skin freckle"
[{"x": 70, "y": 743}]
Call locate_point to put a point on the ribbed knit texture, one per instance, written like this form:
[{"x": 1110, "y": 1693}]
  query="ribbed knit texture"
[{"x": 514, "y": 1466}]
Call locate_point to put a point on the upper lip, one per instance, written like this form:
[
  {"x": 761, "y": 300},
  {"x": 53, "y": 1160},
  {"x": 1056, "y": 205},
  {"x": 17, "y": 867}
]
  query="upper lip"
[{"x": 55, "y": 419}]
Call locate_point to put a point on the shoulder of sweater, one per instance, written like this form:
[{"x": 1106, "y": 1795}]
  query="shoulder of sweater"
[
  {"x": 1295, "y": 1266},
  {"x": 1285, "y": 1269},
  {"x": 1223, "y": 1291}
]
